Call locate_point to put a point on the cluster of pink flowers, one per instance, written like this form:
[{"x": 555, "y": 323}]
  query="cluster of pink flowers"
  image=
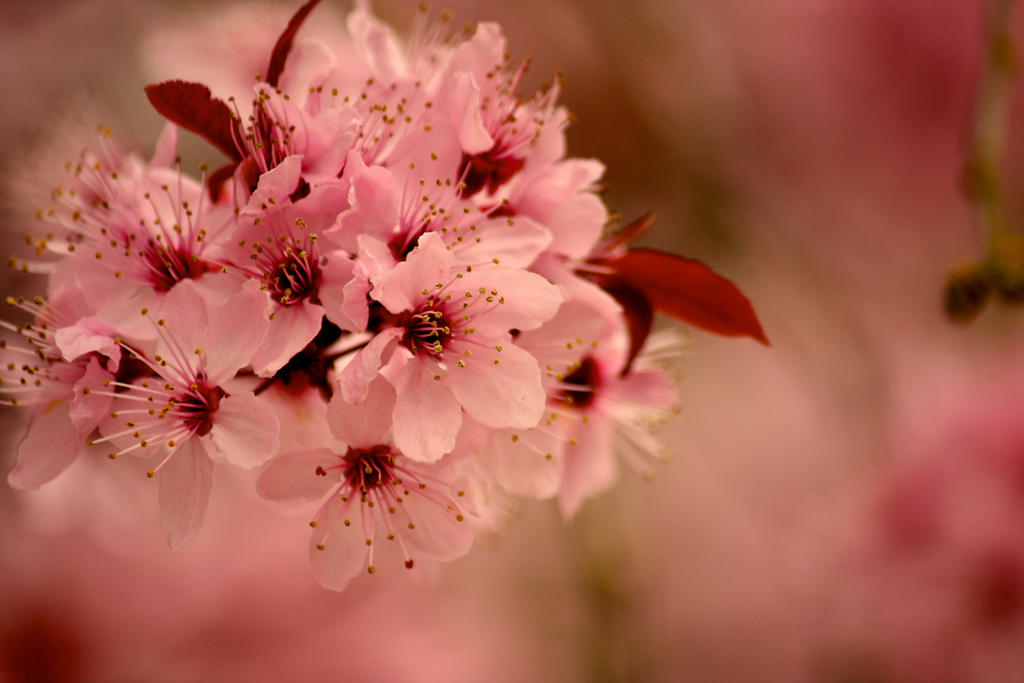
[{"x": 399, "y": 299}]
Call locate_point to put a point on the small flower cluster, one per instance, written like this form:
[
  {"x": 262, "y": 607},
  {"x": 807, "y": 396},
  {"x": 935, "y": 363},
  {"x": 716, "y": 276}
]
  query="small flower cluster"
[{"x": 398, "y": 299}]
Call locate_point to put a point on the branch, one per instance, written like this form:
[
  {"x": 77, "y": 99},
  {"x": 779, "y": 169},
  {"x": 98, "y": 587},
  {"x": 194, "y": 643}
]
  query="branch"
[{"x": 1002, "y": 270}]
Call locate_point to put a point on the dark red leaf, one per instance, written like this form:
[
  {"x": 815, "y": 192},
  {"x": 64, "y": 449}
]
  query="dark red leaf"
[
  {"x": 687, "y": 290},
  {"x": 191, "y": 106},
  {"x": 639, "y": 315},
  {"x": 284, "y": 43}
]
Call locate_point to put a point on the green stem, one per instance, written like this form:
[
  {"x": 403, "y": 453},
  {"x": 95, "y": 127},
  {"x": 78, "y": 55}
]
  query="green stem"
[{"x": 990, "y": 125}]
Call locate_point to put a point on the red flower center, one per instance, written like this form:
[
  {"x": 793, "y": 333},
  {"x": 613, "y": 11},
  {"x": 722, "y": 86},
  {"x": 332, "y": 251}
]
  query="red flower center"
[
  {"x": 491, "y": 169},
  {"x": 587, "y": 377},
  {"x": 169, "y": 267},
  {"x": 198, "y": 405},
  {"x": 367, "y": 468},
  {"x": 428, "y": 330}
]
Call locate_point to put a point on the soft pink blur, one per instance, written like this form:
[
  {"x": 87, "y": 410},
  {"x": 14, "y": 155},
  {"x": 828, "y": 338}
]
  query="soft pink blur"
[{"x": 845, "y": 505}]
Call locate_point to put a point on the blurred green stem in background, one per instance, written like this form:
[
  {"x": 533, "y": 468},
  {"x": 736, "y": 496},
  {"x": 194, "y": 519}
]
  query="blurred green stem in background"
[
  {"x": 1002, "y": 270},
  {"x": 613, "y": 646}
]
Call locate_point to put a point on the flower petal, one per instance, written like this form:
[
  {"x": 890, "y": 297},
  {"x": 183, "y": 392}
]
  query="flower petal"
[
  {"x": 375, "y": 258},
  {"x": 513, "y": 242},
  {"x": 295, "y": 475},
  {"x": 340, "y": 555},
  {"x": 522, "y": 300},
  {"x": 429, "y": 263},
  {"x": 236, "y": 329},
  {"x": 184, "y": 313},
  {"x": 355, "y": 377},
  {"x": 437, "y": 532},
  {"x": 363, "y": 423},
  {"x": 560, "y": 197},
  {"x": 330, "y": 137},
  {"x": 166, "y": 150},
  {"x": 343, "y": 288},
  {"x": 478, "y": 55},
  {"x": 375, "y": 199},
  {"x": 427, "y": 415},
  {"x": 499, "y": 388},
  {"x": 245, "y": 431},
  {"x": 377, "y": 42},
  {"x": 276, "y": 185},
  {"x": 577, "y": 223},
  {"x": 49, "y": 446},
  {"x": 85, "y": 336},
  {"x": 185, "y": 484},
  {"x": 87, "y": 408},
  {"x": 288, "y": 333},
  {"x": 463, "y": 101},
  {"x": 527, "y": 463},
  {"x": 590, "y": 465}
]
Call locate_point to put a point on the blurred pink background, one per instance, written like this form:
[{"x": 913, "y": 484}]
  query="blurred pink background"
[{"x": 847, "y": 505}]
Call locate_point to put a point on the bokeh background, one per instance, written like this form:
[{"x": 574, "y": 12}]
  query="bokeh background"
[{"x": 847, "y": 505}]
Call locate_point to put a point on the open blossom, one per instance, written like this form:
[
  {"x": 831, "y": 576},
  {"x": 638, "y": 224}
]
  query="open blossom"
[
  {"x": 611, "y": 416},
  {"x": 306, "y": 280},
  {"x": 498, "y": 128},
  {"x": 372, "y": 487},
  {"x": 595, "y": 413},
  {"x": 131, "y": 230},
  {"x": 397, "y": 276},
  {"x": 181, "y": 411},
  {"x": 62, "y": 392},
  {"x": 451, "y": 328},
  {"x": 318, "y": 139},
  {"x": 397, "y": 206}
]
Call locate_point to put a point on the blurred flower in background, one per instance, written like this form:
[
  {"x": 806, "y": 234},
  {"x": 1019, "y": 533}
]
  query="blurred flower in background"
[
  {"x": 935, "y": 586},
  {"x": 843, "y": 506}
]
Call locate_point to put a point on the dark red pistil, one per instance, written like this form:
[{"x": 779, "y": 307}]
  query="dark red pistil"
[
  {"x": 490, "y": 169},
  {"x": 295, "y": 278},
  {"x": 428, "y": 331},
  {"x": 169, "y": 267},
  {"x": 586, "y": 377},
  {"x": 200, "y": 404},
  {"x": 367, "y": 468}
]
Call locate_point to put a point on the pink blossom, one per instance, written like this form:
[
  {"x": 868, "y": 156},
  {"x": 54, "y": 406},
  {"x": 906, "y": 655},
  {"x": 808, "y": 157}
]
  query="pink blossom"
[
  {"x": 596, "y": 414},
  {"x": 388, "y": 278},
  {"x": 451, "y": 326},
  {"x": 505, "y": 128},
  {"x": 371, "y": 486},
  {"x": 397, "y": 206},
  {"x": 130, "y": 231},
  {"x": 295, "y": 128},
  {"x": 61, "y": 391},
  {"x": 281, "y": 249},
  {"x": 560, "y": 194},
  {"x": 184, "y": 414}
]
